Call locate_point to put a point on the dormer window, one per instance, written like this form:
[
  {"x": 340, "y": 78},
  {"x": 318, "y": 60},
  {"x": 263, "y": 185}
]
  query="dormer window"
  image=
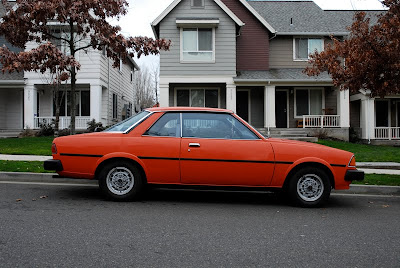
[
  {"x": 197, "y": 4},
  {"x": 303, "y": 47}
]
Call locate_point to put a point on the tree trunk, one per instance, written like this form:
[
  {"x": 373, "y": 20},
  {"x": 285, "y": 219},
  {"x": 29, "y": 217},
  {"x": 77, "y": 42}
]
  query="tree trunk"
[{"x": 73, "y": 104}]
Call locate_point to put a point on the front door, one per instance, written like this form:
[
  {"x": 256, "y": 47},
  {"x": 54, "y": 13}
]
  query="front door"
[
  {"x": 382, "y": 113},
  {"x": 281, "y": 108},
  {"x": 242, "y": 104},
  {"x": 217, "y": 149}
]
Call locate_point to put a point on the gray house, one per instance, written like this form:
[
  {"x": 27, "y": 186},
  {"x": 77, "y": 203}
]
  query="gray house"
[{"x": 249, "y": 56}]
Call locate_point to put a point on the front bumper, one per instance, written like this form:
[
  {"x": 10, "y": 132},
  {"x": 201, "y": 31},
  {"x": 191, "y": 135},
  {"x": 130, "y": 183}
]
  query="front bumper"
[
  {"x": 354, "y": 175},
  {"x": 53, "y": 164}
]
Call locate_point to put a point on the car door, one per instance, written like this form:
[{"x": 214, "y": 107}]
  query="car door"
[
  {"x": 217, "y": 149},
  {"x": 159, "y": 148}
]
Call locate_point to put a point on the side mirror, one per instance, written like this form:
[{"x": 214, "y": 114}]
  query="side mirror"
[{"x": 98, "y": 129}]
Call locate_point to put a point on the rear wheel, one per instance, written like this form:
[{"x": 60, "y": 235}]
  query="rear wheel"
[
  {"x": 309, "y": 187},
  {"x": 120, "y": 181}
]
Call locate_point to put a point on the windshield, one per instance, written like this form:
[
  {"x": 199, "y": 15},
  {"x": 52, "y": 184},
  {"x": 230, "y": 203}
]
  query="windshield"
[{"x": 128, "y": 123}]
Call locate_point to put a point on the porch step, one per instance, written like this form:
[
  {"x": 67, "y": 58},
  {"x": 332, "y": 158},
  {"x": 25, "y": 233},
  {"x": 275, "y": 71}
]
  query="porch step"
[
  {"x": 289, "y": 134},
  {"x": 14, "y": 133}
]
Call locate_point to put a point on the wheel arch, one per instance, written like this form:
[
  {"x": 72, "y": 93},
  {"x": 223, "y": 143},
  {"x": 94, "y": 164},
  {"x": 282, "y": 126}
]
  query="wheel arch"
[
  {"x": 302, "y": 165},
  {"x": 118, "y": 159}
]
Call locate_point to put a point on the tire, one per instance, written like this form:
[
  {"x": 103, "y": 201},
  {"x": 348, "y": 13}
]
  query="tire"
[
  {"x": 309, "y": 187},
  {"x": 121, "y": 181}
]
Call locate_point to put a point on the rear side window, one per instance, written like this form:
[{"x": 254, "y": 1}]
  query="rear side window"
[
  {"x": 215, "y": 126},
  {"x": 167, "y": 126}
]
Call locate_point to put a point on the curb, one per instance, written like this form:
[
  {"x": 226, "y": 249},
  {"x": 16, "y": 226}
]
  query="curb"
[
  {"x": 41, "y": 177},
  {"x": 378, "y": 165},
  {"x": 48, "y": 178}
]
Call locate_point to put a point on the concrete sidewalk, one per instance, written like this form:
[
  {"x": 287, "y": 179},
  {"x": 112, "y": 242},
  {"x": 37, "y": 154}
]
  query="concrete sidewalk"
[{"x": 391, "y": 168}]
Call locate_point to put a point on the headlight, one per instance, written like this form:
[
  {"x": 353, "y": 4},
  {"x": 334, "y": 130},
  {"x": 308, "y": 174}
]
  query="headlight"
[{"x": 352, "y": 162}]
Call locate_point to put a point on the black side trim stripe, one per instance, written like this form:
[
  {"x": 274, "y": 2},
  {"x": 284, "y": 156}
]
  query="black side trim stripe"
[
  {"x": 216, "y": 160},
  {"x": 337, "y": 165},
  {"x": 157, "y": 158},
  {"x": 82, "y": 155}
]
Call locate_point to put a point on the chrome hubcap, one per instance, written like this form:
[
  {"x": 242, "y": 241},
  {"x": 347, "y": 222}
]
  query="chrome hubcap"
[
  {"x": 310, "y": 187},
  {"x": 120, "y": 180}
]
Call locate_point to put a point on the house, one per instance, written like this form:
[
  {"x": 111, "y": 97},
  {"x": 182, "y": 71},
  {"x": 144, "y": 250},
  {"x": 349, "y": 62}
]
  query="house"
[
  {"x": 103, "y": 93},
  {"x": 249, "y": 56}
]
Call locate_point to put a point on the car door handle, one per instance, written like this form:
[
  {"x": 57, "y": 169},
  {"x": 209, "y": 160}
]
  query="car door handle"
[{"x": 194, "y": 144}]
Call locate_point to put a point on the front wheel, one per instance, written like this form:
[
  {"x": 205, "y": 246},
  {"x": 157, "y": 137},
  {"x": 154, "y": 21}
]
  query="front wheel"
[
  {"x": 309, "y": 187},
  {"x": 120, "y": 181}
]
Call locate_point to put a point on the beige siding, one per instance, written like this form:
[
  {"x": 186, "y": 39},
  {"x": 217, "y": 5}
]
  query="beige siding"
[
  {"x": 225, "y": 42},
  {"x": 281, "y": 53}
]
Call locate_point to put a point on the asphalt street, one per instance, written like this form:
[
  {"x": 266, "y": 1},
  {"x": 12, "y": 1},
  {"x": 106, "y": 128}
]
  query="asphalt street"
[{"x": 71, "y": 225}]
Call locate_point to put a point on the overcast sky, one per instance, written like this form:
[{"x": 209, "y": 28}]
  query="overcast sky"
[{"x": 143, "y": 12}]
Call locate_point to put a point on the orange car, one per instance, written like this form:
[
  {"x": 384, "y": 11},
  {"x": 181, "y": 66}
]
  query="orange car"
[{"x": 200, "y": 146}]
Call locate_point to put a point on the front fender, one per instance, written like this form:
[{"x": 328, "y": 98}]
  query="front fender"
[{"x": 121, "y": 155}]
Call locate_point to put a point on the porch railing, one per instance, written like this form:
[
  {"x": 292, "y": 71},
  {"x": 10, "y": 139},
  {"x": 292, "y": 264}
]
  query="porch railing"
[
  {"x": 387, "y": 133},
  {"x": 65, "y": 121},
  {"x": 321, "y": 121}
]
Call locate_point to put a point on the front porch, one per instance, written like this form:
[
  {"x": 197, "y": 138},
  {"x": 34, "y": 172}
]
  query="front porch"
[
  {"x": 64, "y": 122},
  {"x": 377, "y": 119}
]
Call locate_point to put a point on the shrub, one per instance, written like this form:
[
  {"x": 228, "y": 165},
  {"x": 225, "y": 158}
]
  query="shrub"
[
  {"x": 45, "y": 130},
  {"x": 92, "y": 125}
]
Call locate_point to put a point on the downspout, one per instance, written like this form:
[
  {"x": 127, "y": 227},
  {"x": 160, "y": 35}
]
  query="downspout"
[
  {"x": 268, "y": 130},
  {"x": 108, "y": 87}
]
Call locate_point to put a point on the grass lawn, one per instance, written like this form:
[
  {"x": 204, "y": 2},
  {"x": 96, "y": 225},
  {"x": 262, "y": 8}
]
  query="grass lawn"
[
  {"x": 29, "y": 146},
  {"x": 367, "y": 153},
  {"x": 23, "y": 166},
  {"x": 380, "y": 179}
]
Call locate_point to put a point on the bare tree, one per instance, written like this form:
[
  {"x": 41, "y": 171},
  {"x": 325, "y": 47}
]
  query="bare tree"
[
  {"x": 144, "y": 88},
  {"x": 155, "y": 72}
]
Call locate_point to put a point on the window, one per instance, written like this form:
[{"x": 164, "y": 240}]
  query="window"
[
  {"x": 129, "y": 123},
  {"x": 167, "y": 126},
  {"x": 82, "y": 101},
  {"x": 197, "y": 44},
  {"x": 115, "y": 106},
  {"x": 309, "y": 102},
  {"x": 303, "y": 47},
  {"x": 197, "y": 3},
  {"x": 197, "y": 97},
  {"x": 215, "y": 126},
  {"x": 59, "y": 40}
]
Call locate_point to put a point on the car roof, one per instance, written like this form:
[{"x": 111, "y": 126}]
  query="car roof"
[{"x": 187, "y": 109}]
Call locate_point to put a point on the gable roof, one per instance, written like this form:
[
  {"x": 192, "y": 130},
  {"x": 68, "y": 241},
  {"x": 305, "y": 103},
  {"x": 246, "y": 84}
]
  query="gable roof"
[
  {"x": 240, "y": 23},
  {"x": 306, "y": 17}
]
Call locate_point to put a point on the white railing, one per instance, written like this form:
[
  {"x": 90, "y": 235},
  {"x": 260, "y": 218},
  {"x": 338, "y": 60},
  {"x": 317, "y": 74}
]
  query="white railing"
[
  {"x": 321, "y": 121},
  {"x": 387, "y": 133},
  {"x": 65, "y": 122}
]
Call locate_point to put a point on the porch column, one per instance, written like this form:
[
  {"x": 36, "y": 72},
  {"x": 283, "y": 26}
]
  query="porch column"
[
  {"x": 30, "y": 106},
  {"x": 269, "y": 107},
  {"x": 344, "y": 108},
  {"x": 96, "y": 102},
  {"x": 231, "y": 97},
  {"x": 164, "y": 93},
  {"x": 367, "y": 118}
]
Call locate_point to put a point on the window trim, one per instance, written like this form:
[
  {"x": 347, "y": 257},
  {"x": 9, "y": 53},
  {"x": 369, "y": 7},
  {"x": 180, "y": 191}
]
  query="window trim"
[
  {"x": 182, "y": 60},
  {"x": 304, "y": 37},
  {"x": 307, "y": 88},
  {"x": 190, "y": 100}
]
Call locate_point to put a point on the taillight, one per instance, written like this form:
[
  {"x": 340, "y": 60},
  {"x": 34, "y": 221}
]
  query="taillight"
[
  {"x": 352, "y": 162},
  {"x": 53, "y": 148}
]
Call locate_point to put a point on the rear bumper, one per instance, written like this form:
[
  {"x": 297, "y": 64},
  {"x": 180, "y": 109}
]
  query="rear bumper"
[
  {"x": 354, "y": 175},
  {"x": 53, "y": 164}
]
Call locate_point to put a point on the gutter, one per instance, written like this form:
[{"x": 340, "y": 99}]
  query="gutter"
[{"x": 314, "y": 33}]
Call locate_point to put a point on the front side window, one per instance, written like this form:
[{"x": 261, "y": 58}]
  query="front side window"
[
  {"x": 309, "y": 102},
  {"x": 215, "y": 126},
  {"x": 167, "y": 126},
  {"x": 197, "y": 44},
  {"x": 197, "y": 97},
  {"x": 303, "y": 47}
]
